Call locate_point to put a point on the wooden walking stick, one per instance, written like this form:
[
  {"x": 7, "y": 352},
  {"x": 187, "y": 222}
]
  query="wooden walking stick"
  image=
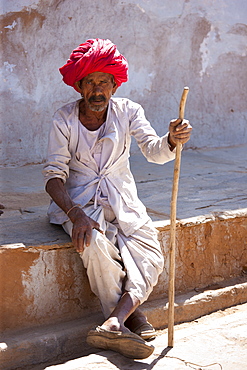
[{"x": 171, "y": 289}]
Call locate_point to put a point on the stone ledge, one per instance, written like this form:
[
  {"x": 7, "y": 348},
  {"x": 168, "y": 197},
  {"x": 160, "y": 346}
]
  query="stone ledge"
[
  {"x": 50, "y": 284},
  {"x": 164, "y": 225},
  {"x": 192, "y": 305},
  {"x": 54, "y": 343}
]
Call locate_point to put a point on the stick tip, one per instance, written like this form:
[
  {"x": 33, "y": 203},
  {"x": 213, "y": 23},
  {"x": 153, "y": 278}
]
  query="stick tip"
[{"x": 186, "y": 88}]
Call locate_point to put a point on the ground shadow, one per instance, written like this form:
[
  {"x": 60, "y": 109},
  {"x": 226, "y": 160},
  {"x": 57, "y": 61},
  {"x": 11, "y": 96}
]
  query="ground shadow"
[
  {"x": 122, "y": 362},
  {"x": 116, "y": 359}
]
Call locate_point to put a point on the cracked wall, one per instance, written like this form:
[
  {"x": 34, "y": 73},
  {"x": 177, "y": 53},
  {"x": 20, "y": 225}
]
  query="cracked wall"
[
  {"x": 47, "y": 285},
  {"x": 168, "y": 45}
]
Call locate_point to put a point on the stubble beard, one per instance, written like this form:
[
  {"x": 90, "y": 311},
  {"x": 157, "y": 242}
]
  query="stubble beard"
[{"x": 97, "y": 109}]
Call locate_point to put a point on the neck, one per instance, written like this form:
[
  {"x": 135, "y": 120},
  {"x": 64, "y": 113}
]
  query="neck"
[{"x": 90, "y": 119}]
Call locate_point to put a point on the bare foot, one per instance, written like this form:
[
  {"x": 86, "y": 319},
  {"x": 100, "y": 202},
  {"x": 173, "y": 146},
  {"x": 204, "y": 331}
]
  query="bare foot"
[
  {"x": 125, "y": 307},
  {"x": 113, "y": 324}
]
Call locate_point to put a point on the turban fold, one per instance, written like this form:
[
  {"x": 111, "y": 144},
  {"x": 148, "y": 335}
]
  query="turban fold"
[{"x": 95, "y": 55}]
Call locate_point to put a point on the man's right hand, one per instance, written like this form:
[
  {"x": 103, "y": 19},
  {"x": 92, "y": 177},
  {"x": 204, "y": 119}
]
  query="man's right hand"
[
  {"x": 82, "y": 228},
  {"x": 82, "y": 224}
]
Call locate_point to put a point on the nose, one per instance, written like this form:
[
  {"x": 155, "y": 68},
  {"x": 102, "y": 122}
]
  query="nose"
[{"x": 97, "y": 89}]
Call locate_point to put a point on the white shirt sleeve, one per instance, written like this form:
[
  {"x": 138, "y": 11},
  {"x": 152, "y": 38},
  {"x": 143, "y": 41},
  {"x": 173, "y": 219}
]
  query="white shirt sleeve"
[
  {"x": 58, "y": 155},
  {"x": 153, "y": 147}
]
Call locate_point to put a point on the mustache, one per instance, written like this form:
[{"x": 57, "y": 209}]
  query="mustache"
[{"x": 96, "y": 98}]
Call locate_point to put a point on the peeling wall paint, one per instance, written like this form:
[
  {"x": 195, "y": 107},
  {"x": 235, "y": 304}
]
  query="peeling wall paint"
[
  {"x": 45, "y": 294},
  {"x": 39, "y": 283},
  {"x": 168, "y": 45}
]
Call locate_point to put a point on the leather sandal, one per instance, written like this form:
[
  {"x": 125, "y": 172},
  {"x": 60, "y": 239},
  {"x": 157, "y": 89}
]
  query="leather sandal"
[
  {"x": 146, "y": 331},
  {"x": 128, "y": 344}
]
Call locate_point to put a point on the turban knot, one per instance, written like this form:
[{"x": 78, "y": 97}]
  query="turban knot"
[{"x": 95, "y": 55}]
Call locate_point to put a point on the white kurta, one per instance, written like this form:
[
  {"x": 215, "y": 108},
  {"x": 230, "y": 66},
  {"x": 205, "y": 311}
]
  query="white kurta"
[
  {"x": 82, "y": 176},
  {"x": 94, "y": 165}
]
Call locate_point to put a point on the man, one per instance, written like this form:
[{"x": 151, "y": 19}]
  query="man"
[{"x": 95, "y": 198}]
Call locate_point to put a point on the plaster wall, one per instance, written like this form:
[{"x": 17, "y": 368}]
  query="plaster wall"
[{"x": 169, "y": 44}]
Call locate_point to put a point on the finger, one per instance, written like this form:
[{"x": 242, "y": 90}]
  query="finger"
[
  {"x": 88, "y": 237},
  {"x": 182, "y": 137},
  {"x": 184, "y": 131},
  {"x": 183, "y": 125},
  {"x": 78, "y": 240},
  {"x": 75, "y": 242},
  {"x": 175, "y": 122}
]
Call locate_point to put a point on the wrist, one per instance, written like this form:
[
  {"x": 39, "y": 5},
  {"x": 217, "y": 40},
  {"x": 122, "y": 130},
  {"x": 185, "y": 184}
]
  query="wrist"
[
  {"x": 73, "y": 207},
  {"x": 171, "y": 143},
  {"x": 73, "y": 211}
]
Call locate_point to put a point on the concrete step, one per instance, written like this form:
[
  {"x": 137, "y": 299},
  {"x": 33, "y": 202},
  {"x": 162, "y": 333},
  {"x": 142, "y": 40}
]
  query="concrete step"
[
  {"x": 39, "y": 347},
  {"x": 215, "y": 341}
]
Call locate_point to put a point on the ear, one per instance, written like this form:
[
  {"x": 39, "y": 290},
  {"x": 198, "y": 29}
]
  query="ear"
[
  {"x": 78, "y": 86},
  {"x": 114, "y": 89}
]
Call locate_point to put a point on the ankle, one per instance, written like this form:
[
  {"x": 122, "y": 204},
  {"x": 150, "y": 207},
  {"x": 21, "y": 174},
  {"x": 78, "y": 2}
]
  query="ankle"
[{"x": 135, "y": 319}]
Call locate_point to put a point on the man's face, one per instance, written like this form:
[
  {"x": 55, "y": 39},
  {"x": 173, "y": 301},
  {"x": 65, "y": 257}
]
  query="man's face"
[{"x": 97, "y": 89}]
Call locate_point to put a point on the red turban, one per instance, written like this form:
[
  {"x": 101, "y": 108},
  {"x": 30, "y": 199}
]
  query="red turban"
[{"x": 95, "y": 55}]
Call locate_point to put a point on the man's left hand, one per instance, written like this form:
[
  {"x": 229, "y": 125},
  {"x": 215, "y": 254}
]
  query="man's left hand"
[{"x": 179, "y": 132}]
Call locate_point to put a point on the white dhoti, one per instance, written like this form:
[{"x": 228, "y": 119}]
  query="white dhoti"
[{"x": 116, "y": 263}]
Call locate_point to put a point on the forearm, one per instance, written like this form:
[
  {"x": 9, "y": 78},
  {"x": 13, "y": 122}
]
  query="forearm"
[
  {"x": 82, "y": 224},
  {"x": 57, "y": 191}
]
